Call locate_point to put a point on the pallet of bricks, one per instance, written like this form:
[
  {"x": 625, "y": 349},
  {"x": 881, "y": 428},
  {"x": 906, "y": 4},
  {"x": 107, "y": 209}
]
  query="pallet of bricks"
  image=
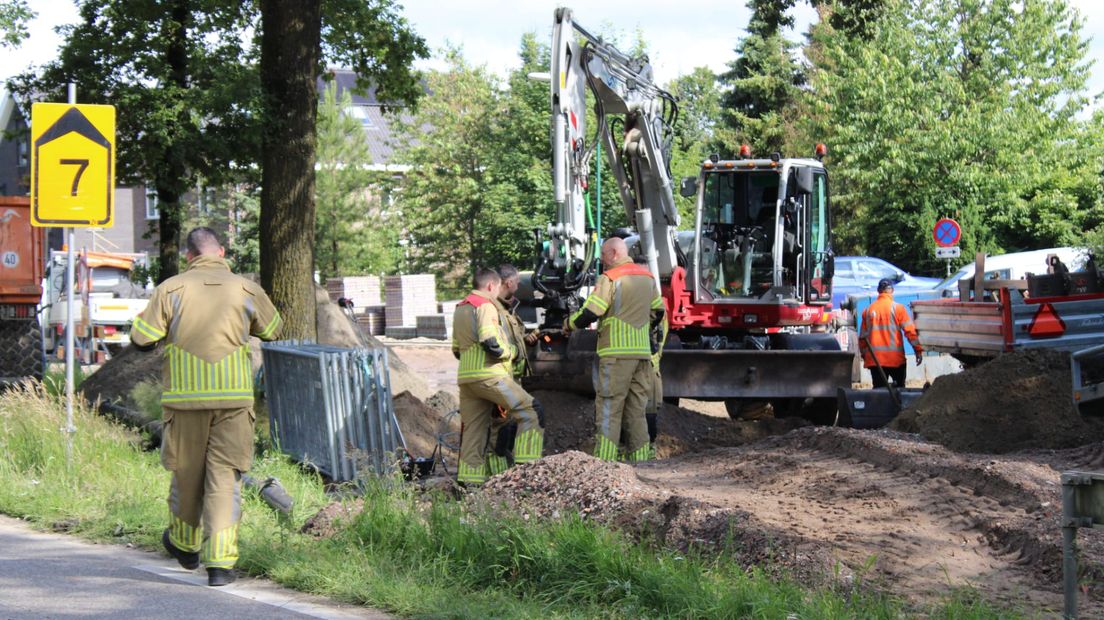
[
  {"x": 439, "y": 325},
  {"x": 406, "y": 298}
]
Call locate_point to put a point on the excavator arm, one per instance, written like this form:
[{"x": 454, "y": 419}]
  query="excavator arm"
[{"x": 634, "y": 125}]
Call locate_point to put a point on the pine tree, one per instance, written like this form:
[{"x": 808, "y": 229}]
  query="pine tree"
[{"x": 762, "y": 82}]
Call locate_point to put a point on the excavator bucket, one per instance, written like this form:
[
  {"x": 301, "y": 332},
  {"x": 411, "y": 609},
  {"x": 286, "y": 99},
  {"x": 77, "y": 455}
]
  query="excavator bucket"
[{"x": 566, "y": 364}]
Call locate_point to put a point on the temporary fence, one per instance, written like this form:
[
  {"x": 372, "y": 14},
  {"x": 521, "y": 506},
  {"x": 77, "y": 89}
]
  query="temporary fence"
[{"x": 330, "y": 407}]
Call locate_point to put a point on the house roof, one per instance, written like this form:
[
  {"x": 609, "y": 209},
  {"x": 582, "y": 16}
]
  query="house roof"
[{"x": 377, "y": 124}]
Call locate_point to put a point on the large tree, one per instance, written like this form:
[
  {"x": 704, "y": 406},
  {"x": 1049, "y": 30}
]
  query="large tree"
[
  {"x": 178, "y": 74},
  {"x": 763, "y": 82},
  {"x": 699, "y": 100},
  {"x": 971, "y": 109},
  {"x": 297, "y": 37}
]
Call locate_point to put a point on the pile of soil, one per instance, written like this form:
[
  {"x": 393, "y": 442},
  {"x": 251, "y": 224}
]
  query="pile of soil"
[
  {"x": 1017, "y": 401},
  {"x": 423, "y": 426},
  {"x": 612, "y": 494},
  {"x": 114, "y": 380},
  {"x": 326, "y": 522},
  {"x": 569, "y": 425}
]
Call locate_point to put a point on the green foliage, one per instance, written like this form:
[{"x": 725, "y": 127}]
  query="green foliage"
[
  {"x": 14, "y": 16},
  {"x": 762, "y": 82},
  {"x": 353, "y": 231},
  {"x": 147, "y": 396},
  {"x": 479, "y": 178},
  {"x": 699, "y": 99},
  {"x": 971, "y": 110}
]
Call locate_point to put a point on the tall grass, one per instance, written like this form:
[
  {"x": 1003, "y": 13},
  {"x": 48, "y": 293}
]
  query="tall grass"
[{"x": 404, "y": 552}]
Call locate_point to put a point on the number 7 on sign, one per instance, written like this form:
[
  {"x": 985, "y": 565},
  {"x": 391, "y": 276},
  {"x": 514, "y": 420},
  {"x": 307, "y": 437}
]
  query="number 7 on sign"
[{"x": 83, "y": 163}]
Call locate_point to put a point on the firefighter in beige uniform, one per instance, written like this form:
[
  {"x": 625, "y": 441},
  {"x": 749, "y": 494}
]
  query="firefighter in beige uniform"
[
  {"x": 503, "y": 432},
  {"x": 206, "y": 316},
  {"x": 485, "y": 377},
  {"x": 626, "y": 301}
]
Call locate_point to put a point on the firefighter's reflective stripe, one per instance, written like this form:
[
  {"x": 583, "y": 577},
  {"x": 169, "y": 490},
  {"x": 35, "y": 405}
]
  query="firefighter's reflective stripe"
[
  {"x": 471, "y": 475},
  {"x": 657, "y": 303},
  {"x": 473, "y": 365},
  {"x": 605, "y": 449},
  {"x": 272, "y": 328},
  {"x": 147, "y": 330},
  {"x": 528, "y": 446},
  {"x": 221, "y": 549},
  {"x": 625, "y": 339},
  {"x": 192, "y": 379},
  {"x": 182, "y": 535},
  {"x": 496, "y": 464},
  {"x": 643, "y": 453}
]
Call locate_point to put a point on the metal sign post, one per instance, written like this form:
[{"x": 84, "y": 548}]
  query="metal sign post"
[
  {"x": 72, "y": 184},
  {"x": 1082, "y": 506}
]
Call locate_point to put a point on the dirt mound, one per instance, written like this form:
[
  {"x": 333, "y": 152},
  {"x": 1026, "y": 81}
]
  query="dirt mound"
[
  {"x": 335, "y": 328},
  {"x": 569, "y": 425},
  {"x": 327, "y": 522},
  {"x": 612, "y": 494},
  {"x": 919, "y": 516},
  {"x": 1017, "y": 401},
  {"x": 114, "y": 380},
  {"x": 421, "y": 425},
  {"x": 443, "y": 402}
]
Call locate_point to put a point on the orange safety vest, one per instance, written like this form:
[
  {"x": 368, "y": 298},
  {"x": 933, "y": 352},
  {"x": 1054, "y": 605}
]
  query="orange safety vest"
[{"x": 882, "y": 324}]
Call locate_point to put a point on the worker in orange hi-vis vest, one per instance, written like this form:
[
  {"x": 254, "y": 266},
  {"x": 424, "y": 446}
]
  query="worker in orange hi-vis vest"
[{"x": 880, "y": 340}]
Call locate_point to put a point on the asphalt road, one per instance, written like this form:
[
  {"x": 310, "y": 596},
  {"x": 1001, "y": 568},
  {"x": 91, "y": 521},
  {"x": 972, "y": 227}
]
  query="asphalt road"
[{"x": 45, "y": 576}]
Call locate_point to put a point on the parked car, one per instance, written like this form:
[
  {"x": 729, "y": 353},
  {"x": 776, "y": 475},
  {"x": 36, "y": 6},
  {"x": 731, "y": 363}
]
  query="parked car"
[
  {"x": 861, "y": 274},
  {"x": 1015, "y": 266}
]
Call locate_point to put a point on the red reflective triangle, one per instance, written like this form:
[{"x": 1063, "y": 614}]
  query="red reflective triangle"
[{"x": 1047, "y": 323}]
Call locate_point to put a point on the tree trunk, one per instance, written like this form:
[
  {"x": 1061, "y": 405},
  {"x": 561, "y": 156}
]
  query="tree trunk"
[
  {"x": 290, "y": 51},
  {"x": 168, "y": 233},
  {"x": 173, "y": 170}
]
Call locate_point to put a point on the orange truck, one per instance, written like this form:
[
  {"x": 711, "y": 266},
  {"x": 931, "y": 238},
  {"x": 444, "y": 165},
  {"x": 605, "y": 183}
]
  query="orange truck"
[{"x": 22, "y": 265}]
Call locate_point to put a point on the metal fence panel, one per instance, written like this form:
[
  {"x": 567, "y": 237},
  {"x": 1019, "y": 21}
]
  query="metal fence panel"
[{"x": 330, "y": 407}]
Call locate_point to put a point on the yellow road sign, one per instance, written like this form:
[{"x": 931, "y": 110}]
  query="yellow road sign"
[{"x": 72, "y": 165}]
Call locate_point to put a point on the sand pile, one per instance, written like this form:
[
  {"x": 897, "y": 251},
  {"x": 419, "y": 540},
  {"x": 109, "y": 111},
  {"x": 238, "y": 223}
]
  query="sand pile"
[
  {"x": 1018, "y": 401},
  {"x": 423, "y": 426}
]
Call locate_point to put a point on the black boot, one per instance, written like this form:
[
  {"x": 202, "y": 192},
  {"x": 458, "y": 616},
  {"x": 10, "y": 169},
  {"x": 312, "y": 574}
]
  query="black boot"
[
  {"x": 188, "y": 560},
  {"x": 220, "y": 576}
]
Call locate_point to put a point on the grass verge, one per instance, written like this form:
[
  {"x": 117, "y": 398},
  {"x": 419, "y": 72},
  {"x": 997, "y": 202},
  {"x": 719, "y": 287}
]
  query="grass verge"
[{"x": 417, "y": 558}]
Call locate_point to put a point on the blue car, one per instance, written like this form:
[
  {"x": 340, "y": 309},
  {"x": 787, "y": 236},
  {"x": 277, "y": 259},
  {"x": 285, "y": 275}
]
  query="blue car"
[{"x": 860, "y": 275}]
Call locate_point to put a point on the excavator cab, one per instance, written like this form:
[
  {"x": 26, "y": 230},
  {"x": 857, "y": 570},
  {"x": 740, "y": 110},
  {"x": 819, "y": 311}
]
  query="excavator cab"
[{"x": 763, "y": 232}]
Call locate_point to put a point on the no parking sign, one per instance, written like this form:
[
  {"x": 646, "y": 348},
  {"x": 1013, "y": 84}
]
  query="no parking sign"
[{"x": 947, "y": 233}]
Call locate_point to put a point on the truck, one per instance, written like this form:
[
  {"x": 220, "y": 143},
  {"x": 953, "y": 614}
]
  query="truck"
[
  {"x": 107, "y": 297},
  {"x": 1059, "y": 311},
  {"x": 22, "y": 248},
  {"x": 747, "y": 289}
]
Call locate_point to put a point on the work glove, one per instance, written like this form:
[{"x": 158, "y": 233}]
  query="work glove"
[
  {"x": 531, "y": 338},
  {"x": 919, "y": 357},
  {"x": 567, "y": 326}
]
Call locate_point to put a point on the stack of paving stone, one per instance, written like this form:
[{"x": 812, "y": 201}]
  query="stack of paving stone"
[
  {"x": 436, "y": 326},
  {"x": 363, "y": 290},
  {"x": 372, "y": 320},
  {"x": 408, "y": 297}
]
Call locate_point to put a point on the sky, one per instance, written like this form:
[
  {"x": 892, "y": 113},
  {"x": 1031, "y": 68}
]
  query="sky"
[{"x": 489, "y": 31}]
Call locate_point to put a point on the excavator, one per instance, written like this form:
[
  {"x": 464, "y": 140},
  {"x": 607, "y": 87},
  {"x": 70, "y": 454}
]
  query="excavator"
[{"x": 747, "y": 290}]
